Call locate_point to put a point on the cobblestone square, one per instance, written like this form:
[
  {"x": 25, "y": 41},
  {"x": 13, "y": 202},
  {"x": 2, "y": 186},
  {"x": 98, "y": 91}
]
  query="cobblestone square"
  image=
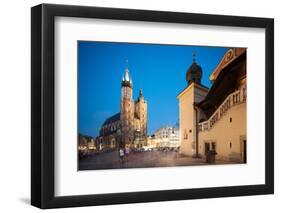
[{"x": 110, "y": 160}]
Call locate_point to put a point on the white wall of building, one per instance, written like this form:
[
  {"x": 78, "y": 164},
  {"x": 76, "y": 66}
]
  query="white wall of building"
[
  {"x": 187, "y": 117},
  {"x": 228, "y": 143}
]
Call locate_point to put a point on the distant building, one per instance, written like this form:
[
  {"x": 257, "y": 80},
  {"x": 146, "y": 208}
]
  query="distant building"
[
  {"x": 129, "y": 126},
  {"x": 91, "y": 144},
  {"x": 86, "y": 143},
  {"x": 151, "y": 142},
  {"x": 215, "y": 118},
  {"x": 167, "y": 137},
  {"x": 82, "y": 143}
]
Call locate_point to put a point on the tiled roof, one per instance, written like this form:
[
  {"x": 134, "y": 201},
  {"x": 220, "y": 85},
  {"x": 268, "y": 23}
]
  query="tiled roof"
[{"x": 112, "y": 119}]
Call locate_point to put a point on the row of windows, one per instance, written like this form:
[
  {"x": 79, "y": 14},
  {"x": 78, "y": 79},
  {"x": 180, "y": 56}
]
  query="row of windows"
[
  {"x": 111, "y": 127},
  {"x": 114, "y": 127}
]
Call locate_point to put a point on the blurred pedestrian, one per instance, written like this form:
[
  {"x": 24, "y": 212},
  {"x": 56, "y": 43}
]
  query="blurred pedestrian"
[
  {"x": 127, "y": 150},
  {"x": 121, "y": 155}
]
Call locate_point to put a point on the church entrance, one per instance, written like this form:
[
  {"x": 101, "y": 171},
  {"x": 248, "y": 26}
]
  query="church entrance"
[{"x": 113, "y": 143}]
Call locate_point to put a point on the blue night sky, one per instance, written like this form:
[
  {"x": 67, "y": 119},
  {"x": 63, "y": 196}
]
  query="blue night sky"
[{"x": 158, "y": 69}]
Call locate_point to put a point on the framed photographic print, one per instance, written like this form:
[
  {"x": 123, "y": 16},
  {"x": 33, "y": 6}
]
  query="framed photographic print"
[{"x": 139, "y": 106}]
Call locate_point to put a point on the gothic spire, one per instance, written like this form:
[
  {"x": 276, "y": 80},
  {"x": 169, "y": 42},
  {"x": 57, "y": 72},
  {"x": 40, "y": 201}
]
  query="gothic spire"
[{"x": 127, "y": 79}]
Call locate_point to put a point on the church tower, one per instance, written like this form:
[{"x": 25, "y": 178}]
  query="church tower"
[
  {"x": 127, "y": 110},
  {"x": 141, "y": 113},
  {"x": 188, "y": 114}
]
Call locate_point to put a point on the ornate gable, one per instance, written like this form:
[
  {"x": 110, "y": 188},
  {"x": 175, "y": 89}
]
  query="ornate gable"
[{"x": 229, "y": 56}]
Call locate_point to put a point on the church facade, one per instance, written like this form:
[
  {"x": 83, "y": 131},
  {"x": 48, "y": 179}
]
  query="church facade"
[
  {"x": 128, "y": 128},
  {"x": 215, "y": 118}
]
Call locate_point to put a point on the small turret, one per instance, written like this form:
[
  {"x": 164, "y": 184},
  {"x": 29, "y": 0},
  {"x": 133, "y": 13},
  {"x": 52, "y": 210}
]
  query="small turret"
[{"x": 140, "y": 95}]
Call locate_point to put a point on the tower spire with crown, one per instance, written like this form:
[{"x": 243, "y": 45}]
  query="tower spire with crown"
[{"x": 127, "y": 79}]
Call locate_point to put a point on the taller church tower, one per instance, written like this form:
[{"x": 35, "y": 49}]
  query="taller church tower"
[{"x": 127, "y": 110}]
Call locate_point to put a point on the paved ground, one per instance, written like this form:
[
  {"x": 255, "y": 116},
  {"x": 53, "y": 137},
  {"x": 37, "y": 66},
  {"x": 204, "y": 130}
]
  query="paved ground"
[{"x": 110, "y": 160}]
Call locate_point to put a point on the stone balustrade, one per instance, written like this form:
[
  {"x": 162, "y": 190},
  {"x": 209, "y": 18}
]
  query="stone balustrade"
[{"x": 233, "y": 99}]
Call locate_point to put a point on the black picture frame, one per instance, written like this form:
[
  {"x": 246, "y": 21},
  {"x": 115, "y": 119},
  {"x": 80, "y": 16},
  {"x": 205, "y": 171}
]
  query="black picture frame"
[{"x": 43, "y": 102}]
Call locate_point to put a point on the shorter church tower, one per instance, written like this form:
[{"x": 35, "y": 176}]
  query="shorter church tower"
[
  {"x": 142, "y": 111},
  {"x": 141, "y": 114}
]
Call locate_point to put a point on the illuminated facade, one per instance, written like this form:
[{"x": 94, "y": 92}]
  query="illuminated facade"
[
  {"x": 129, "y": 126},
  {"x": 215, "y": 118},
  {"x": 165, "y": 137}
]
